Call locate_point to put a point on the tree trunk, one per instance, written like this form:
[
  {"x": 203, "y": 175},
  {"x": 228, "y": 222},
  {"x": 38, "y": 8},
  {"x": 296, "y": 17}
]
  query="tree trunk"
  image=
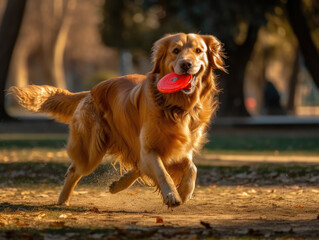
[
  {"x": 53, "y": 47},
  {"x": 302, "y": 31},
  {"x": 293, "y": 83},
  {"x": 19, "y": 67},
  {"x": 60, "y": 43},
  {"x": 9, "y": 30},
  {"x": 232, "y": 84}
]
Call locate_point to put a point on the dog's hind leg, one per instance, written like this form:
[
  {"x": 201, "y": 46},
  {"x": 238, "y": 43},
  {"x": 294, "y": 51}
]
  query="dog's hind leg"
[
  {"x": 125, "y": 181},
  {"x": 83, "y": 164},
  {"x": 86, "y": 154},
  {"x": 187, "y": 184},
  {"x": 71, "y": 179}
]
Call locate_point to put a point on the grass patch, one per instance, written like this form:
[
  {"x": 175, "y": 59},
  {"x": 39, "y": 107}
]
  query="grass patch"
[
  {"x": 10, "y": 141},
  {"x": 263, "y": 144}
]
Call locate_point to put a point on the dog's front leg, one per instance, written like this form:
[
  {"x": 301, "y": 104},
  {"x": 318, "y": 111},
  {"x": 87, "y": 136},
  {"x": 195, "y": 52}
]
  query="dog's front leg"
[{"x": 153, "y": 167}]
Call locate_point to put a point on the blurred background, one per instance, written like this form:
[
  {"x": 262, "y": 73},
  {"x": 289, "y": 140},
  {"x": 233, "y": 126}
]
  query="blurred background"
[
  {"x": 265, "y": 135},
  {"x": 272, "y": 49},
  {"x": 267, "y": 126}
]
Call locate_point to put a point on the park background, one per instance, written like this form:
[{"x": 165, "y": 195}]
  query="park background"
[
  {"x": 258, "y": 173},
  {"x": 271, "y": 47}
]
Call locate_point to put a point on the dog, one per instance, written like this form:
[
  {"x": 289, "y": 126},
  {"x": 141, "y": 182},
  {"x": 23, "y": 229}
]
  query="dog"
[{"x": 153, "y": 135}]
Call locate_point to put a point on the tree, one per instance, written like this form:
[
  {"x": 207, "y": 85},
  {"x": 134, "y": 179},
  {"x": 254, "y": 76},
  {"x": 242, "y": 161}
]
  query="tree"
[
  {"x": 293, "y": 83},
  {"x": 131, "y": 26},
  {"x": 303, "y": 33},
  {"x": 236, "y": 24},
  {"x": 9, "y": 30},
  {"x": 233, "y": 99},
  {"x": 53, "y": 42}
]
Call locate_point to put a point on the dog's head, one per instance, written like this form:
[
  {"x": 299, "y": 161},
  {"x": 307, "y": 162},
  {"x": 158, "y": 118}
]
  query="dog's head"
[{"x": 192, "y": 54}]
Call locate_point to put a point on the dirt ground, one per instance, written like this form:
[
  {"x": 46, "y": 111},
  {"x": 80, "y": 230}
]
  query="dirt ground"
[
  {"x": 136, "y": 213},
  {"x": 235, "y": 198}
]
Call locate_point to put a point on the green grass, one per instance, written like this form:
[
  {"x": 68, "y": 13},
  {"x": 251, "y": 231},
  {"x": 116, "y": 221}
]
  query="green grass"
[
  {"x": 307, "y": 145},
  {"x": 55, "y": 141}
]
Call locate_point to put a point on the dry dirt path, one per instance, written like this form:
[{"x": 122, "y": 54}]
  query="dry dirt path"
[
  {"x": 231, "y": 200},
  {"x": 274, "y": 211}
]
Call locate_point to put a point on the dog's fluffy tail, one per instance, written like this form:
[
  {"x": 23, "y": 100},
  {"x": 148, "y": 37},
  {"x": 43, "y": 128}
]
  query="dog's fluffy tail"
[{"x": 59, "y": 103}]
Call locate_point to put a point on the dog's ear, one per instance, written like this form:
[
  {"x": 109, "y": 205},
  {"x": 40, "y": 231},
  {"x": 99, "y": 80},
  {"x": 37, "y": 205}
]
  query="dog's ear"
[
  {"x": 215, "y": 52},
  {"x": 159, "y": 52}
]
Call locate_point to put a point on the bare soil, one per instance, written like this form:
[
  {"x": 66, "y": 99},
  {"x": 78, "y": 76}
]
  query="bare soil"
[
  {"x": 214, "y": 211},
  {"x": 259, "y": 200}
]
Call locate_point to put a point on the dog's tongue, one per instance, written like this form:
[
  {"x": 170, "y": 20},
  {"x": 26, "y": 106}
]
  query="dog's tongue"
[{"x": 173, "y": 82}]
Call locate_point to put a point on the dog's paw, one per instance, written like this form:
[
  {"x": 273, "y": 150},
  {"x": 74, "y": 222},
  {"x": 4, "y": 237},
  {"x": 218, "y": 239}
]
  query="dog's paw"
[
  {"x": 172, "y": 200},
  {"x": 112, "y": 187}
]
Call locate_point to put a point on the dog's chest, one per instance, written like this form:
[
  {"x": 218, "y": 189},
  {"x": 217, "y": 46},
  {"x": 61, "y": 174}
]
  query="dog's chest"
[{"x": 178, "y": 138}]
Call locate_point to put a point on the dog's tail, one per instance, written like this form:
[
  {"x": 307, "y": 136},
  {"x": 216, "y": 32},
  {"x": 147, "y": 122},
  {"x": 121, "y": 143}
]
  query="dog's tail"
[{"x": 59, "y": 103}]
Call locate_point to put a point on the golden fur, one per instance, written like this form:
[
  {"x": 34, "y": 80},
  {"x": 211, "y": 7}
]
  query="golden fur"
[{"x": 154, "y": 135}]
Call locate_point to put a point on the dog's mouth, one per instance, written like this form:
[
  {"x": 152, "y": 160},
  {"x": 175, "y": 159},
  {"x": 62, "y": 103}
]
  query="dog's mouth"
[{"x": 190, "y": 88}]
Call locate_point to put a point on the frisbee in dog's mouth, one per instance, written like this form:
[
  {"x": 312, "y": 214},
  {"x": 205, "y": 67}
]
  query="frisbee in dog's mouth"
[{"x": 173, "y": 82}]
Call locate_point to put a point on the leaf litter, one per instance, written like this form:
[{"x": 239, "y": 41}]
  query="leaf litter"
[{"x": 259, "y": 201}]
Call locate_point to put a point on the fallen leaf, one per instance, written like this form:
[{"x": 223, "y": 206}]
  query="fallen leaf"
[
  {"x": 95, "y": 209},
  {"x": 63, "y": 216},
  {"x": 20, "y": 212},
  {"x": 25, "y": 192},
  {"x": 40, "y": 216},
  {"x": 252, "y": 191},
  {"x": 244, "y": 194},
  {"x": 159, "y": 220},
  {"x": 6, "y": 210},
  {"x": 26, "y": 236},
  {"x": 57, "y": 224},
  {"x": 3, "y": 222},
  {"x": 21, "y": 223},
  {"x": 206, "y": 225}
]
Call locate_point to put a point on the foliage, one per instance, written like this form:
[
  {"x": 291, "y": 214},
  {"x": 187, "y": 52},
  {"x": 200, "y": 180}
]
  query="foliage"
[{"x": 134, "y": 24}]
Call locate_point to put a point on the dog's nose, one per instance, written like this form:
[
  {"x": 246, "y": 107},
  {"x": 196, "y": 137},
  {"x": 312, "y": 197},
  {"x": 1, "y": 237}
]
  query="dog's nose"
[{"x": 186, "y": 65}]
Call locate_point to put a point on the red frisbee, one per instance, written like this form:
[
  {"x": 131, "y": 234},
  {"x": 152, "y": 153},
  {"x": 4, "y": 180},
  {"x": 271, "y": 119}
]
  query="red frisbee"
[{"x": 173, "y": 82}]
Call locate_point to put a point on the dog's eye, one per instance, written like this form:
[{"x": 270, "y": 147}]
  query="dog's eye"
[
  {"x": 176, "y": 51},
  {"x": 198, "y": 50}
]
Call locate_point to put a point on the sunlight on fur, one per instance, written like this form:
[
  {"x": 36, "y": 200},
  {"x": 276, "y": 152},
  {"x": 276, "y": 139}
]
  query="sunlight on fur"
[{"x": 152, "y": 134}]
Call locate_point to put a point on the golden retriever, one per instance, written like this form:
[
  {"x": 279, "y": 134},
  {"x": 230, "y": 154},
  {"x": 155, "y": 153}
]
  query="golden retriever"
[{"x": 152, "y": 134}]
